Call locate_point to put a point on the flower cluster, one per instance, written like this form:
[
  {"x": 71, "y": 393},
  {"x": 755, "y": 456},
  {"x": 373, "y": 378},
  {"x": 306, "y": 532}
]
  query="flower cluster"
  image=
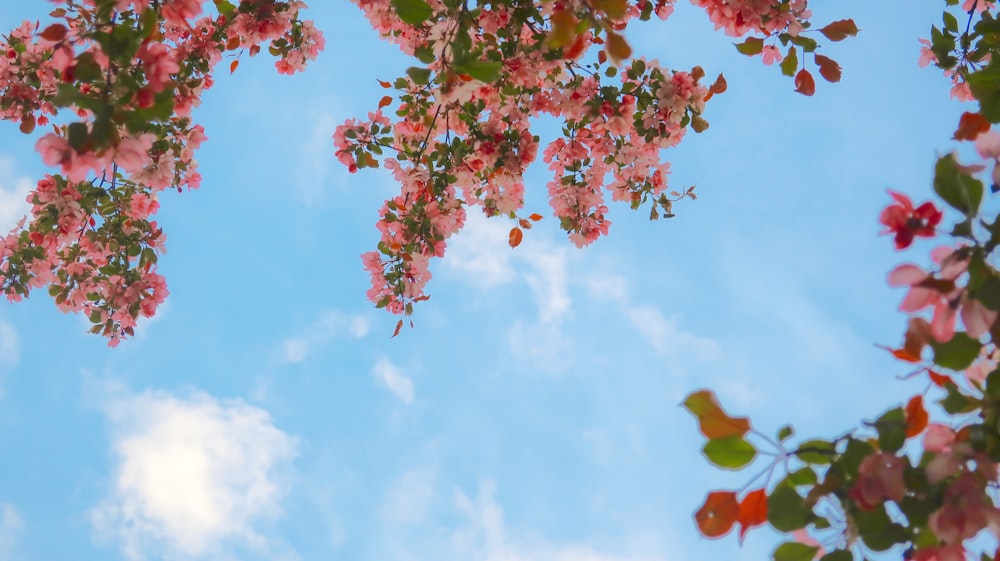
[{"x": 130, "y": 71}]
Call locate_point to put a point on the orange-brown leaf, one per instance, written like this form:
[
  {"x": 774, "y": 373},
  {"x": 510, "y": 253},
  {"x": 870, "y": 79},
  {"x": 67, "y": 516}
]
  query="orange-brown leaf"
[
  {"x": 753, "y": 511},
  {"x": 384, "y": 102},
  {"x": 54, "y": 32},
  {"x": 916, "y": 416},
  {"x": 233, "y": 43},
  {"x": 713, "y": 422},
  {"x": 399, "y": 326},
  {"x": 716, "y": 517},
  {"x": 840, "y": 30},
  {"x": 970, "y": 125},
  {"x": 384, "y": 84},
  {"x": 233, "y": 65},
  {"x": 939, "y": 380},
  {"x": 27, "y": 123},
  {"x": 516, "y": 235},
  {"x": 829, "y": 69},
  {"x": 524, "y": 223},
  {"x": 618, "y": 48},
  {"x": 536, "y": 217},
  {"x": 804, "y": 83}
]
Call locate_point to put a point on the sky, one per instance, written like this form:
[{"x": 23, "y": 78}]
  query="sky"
[{"x": 533, "y": 411}]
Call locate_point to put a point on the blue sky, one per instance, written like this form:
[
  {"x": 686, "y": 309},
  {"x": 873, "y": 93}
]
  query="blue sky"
[{"x": 532, "y": 413}]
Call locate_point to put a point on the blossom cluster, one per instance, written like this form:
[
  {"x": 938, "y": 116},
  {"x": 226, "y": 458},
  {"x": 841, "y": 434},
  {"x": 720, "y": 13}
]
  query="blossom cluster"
[{"x": 127, "y": 74}]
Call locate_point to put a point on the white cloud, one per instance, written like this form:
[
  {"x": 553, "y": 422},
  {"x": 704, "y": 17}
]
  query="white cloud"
[
  {"x": 486, "y": 537},
  {"x": 195, "y": 474},
  {"x": 666, "y": 337},
  {"x": 393, "y": 379},
  {"x": 329, "y": 325},
  {"x": 9, "y": 344},
  {"x": 313, "y": 167},
  {"x": 13, "y": 192},
  {"x": 408, "y": 500},
  {"x": 11, "y": 524},
  {"x": 480, "y": 252}
]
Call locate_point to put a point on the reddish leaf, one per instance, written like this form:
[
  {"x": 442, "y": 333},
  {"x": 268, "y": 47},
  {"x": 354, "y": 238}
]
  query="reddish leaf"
[
  {"x": 233, "y": 65},
  {"x": 840, "y": 30},
  {"x": 939, "y": 380},
  {"x": 233, "y": 43},
  {"x": 27, "y": 123},
  {"x": 716, "y": 517},
  {"x": 384, "y": 102},
  {"x": 753, "y": 511},
  {"x": 384, "y": 84},
  {"x": 829, "y": 69},
  {"x": 970, "y": 125},
  {"x": 713, "y": 422},
  {"x": 516, "y": 235},
  {"x": 536, "y": 217},
  {"x": 916, "y": 416},
  {"x": 901, "y": 354},
  {"x": 804, "y": 83},
  {"x": 399, "y": 326},
  {"x": 524, "y": 223},
  {"x": 54, "y": 32}
]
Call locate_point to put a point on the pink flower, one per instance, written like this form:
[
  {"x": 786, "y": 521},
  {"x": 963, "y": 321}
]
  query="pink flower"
[
  {"x": 939, "y": 438},
  {"x": 880, "y": 477},
  {"x": 159, "y": 62},
  {"x": 771, "y": 54},
  {"x": 988, "y": 145},
  {"x": 927, "y": 56}
]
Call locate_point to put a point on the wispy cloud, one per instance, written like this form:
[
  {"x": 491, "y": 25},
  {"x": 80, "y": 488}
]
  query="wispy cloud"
[
  {"x": 408, "y": 500},
  {"x": 11, "y": 525},
  {"x": 13, "y": 192},
  {"x": 394, "y": 380},
  {"x": 485, "y": 536},
  {"x": 194, "y": 475},
  {"x": 330, "y": 325},
  {"x": 314, "y": 160}
]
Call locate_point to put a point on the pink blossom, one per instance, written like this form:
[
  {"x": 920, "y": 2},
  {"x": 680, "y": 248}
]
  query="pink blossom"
[
  {"x": 938, "y": 438},
  {"x": 771, "y": 54}
]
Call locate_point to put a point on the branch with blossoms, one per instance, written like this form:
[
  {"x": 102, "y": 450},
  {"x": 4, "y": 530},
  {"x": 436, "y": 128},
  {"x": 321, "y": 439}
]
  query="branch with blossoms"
[
  {"x": 459, "y": 134},
  {"x": 127, "y": 74},
  {"x": 900, "y": 482}
]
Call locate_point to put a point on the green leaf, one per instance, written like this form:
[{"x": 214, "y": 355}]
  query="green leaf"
[
  {"x": 787, "y": 510},
  {"x": 790, "y": 63},
  {"x": 482, "y": 70},
  {"x": 77, "y": 136},
  {"x": 804, "y": 476},
  {"x": 785, "y": 432},
  {"x": 420, "y": 76},
  {"x": 752, "y": 46},
  {"x": 413, "y": 12},
  {"x": 839, "y": 555},
  {"x": 731, "y": 452},
  {"x": 957, "y": 353},
  {"x": 808, "y": 44},
  {"x": 795, "y": 551},
  {"x": 855, "y": 451},
  {"x": 957, "y": 188},
  {"x": 989, "y": 292},
  {"x": 891, "y": 427},
  {"x": 816, "y": 452},
  {"x": 956, "y": 402},
  {"x": 950, "y": 22}
]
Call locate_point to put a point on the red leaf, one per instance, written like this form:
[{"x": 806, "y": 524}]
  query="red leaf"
[
  {"x": 804, "y": 83},
  {"x": 753, "y": 511},
  {"x": 233, "y": 65},
  {"x": 536, "y": 217},
  {"x": 970, "y": 125},
  {"x": 54, "y": 32},
  {"x": 916, "y": 416},
  {"x": 399, "y": 325},
  {"x": 27, "y": 123},
  {"x": 901, "y": 354},
  {"x": 840, "y": 30},
  {"x": 829, "y": 69},
  {"x": 516, "y": 235},
  {"x": 713, "y": 422},
  {"x": 716, "y": 517},
  {"x": 384, "y": 102},
  {"x": 939, "y": 380},
  {"x": 384, "y": 84}
]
